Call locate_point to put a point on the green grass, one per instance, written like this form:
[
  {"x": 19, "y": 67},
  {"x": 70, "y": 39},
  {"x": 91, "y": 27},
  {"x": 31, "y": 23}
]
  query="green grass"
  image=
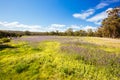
[{"x": 46, "y": 61}]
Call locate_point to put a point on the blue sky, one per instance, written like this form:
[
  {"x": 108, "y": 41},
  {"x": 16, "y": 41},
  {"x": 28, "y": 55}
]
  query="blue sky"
[{"x": 51, "y": 15}]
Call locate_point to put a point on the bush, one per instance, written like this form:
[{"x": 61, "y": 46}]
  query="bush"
[
  {"x": 21, "y": 67},
  {"x": 1, "y": 41},
  {"x": 4, "y": 40}
]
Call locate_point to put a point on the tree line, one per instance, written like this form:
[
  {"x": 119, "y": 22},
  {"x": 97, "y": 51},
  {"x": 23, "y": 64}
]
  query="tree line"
[
  {"x": 110, "y": 27},
  {"x": 9, "y": 34},
  {"x": 68, "y": 32}
]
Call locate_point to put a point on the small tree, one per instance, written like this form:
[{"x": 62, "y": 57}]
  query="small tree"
[
  {"x": 90, "y": 32},
  {"x": 27, "y": 33},
  {"x": 69, "y": 32},
  {"x": 82, "y": 33}
]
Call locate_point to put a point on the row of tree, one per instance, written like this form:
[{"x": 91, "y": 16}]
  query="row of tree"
[
  {"x": 110, "y": 28},
  {"x": 68, "y": 32},
  {"x": 10, "y": 34}
]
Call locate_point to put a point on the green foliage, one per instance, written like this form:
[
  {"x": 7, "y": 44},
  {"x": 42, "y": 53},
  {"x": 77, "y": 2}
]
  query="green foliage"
[
  {"x": 69, "y": 32},
  {"x": 4, "y": 40},
  {"x": 27, "y": 33},
  {"x": 21, "y": 67},
  {"x": 111, "y": 25},
  {"x": 1, "y": 41},
  {"x": 90, "y": 32},
  {"x": 4, "y": 34}
]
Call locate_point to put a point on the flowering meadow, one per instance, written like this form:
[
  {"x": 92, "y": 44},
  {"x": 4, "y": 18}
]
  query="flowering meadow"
[{"x": 60, "y": 58}]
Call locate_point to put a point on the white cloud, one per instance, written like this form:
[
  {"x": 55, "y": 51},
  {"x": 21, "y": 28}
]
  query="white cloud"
[
  {"x": 97, "y": 19},
  {"x": 84, "y": 14},
  {"x": 101, "y": 5},
  {"x": 58, "y": 25},
  {"x": 23, "y": 27},
  {"x": 105, "y": 3},
  {"x": 75, "y": 27},
  {"x": 37, "y": 28},
  {"x": 110, "y": 1},
  {"x": 18, "y": 26},
  {"x": 54, "y": 27},
  {"x": 89, "y": 27},
  {"x": 64, "y": 28},
  {"x": 89, "y": 12},
  {"x": 81, "y": 27}
]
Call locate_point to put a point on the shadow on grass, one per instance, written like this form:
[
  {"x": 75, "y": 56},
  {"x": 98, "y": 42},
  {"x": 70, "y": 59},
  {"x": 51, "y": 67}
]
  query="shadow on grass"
[{"x": 4, "y": 46}]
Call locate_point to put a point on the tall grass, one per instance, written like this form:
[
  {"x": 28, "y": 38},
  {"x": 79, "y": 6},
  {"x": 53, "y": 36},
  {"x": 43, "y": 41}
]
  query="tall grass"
[{"x": 59, "y": 59}]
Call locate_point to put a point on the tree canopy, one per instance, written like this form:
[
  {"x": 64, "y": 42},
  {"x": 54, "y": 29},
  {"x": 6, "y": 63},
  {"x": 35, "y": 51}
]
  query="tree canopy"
[{"x": 111, "y": 25}]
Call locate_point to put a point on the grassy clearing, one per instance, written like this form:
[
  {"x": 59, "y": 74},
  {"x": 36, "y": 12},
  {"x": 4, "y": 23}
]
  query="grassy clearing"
[
  {"x": 77, "y": 59},
  {"x": 106, "y": 44}
]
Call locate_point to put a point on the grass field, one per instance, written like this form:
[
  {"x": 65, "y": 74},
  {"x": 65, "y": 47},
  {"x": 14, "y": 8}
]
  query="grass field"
[{"x": 60, "y": 58}]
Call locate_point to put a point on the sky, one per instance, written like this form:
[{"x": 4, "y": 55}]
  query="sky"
[{"x": 52, "y": 15}]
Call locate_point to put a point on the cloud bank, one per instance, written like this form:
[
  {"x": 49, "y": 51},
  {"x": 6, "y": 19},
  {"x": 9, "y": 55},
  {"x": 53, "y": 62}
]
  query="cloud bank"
[
  {"x": 18, "y": 26},
  {"x": 38, "y": 28},
  {"x": 97, "y": 19}
]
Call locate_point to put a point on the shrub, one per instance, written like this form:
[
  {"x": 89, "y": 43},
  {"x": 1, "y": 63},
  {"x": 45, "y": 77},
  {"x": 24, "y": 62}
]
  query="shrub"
[
  {"x": 4, "y": 40},
  {"x": 1, "y": 41},
  {"x": 21, "y": 67}
]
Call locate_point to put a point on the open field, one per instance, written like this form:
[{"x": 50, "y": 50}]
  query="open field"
[{"x": 60, "y": 58}]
